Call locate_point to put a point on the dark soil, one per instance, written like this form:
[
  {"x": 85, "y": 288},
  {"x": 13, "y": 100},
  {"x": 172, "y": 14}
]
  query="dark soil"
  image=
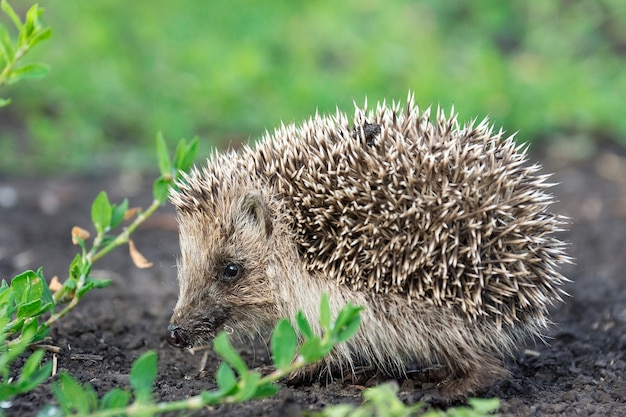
[{"x": 581, "y": 371}]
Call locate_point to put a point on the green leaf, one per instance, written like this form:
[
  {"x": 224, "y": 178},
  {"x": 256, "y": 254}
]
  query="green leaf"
[
  {"x": 44, "y": 308},
  {"x": 116, "y": 398},
  {"x": 46, "y": 294},
  {"x": 313, "y": 350},
  {"x": 21, "y": 285},
  {"x": 28, "y": 27},
  {"x": 484, "y": 405},
  {"x": 33, "y": 373},
  {"x": 384, "y": 400},
  {"x": 118, "y": 213},
  {"x": 7, "y": 297},
  {"x": 225, "y": 350},
  {"x": 284, "y": 343},
  {"x": 106, "y": 240},
  {"x": 190, "y": 155},
  {"x": 29, "y": 330},
  {"x": 76, "y": 268},
  {"x": 165, "y": 164},
  {"x": 8, "y": 10},
  {"x": 142, "y": 376},
  {"x": 70, "y": 395},
  {"x": 7, "y": 391},
  {"x": 32, "y": 23},
  {"x": 211, "y": 397},
  {"x": 248, "y": 386},
  {"x": 28, "y": 309},
  {"x": 101, "y": 212},
  {"x": 6, "y": 46},
  {"x": 303, "y": 325},
  {"x": 15, "y": 326},
  {"x": 88, "y": 286},
  {"x": 266, "y": 390},
  {"x": 185, "y": 154},
  {"x": 29, "y": 71},
  {"x": 101, "y": 283},
  {"x": 226, "y": 378},
  {"x": 5, "y": 102},
  {"x": 41, "y": 36},
  {"x": 31, "y": 364},
  {"x": 4, "y": 320},
  {"x": 325, "y": 312},
  {"x": 33, "y": 295},
  {"x": 160, "y": 189},
  {"x": 179, "y": 153},
  {"x": 42, "y": 332},
  {"x": 347, "y": 323},
  {"x": 343, "y": 410}
]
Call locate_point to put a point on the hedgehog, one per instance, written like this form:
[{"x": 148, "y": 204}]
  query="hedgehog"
[{"x": 442, "y": 233}]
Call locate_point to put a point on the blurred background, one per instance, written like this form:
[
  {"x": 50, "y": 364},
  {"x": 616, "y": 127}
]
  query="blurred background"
[{"x": 228, "y": 70}]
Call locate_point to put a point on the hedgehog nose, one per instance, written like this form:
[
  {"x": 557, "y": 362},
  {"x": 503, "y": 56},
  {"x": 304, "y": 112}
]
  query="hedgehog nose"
[{"x": 176, "y": 337}]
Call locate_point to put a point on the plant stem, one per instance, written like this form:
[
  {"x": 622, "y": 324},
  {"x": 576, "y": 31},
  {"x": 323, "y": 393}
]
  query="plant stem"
[
  {"x": 192, "y": 403},
  {"x": 56, "y": 316},
  {"x": 95, "y": 254},
  {"x": 123, "y": 237},
  {"x": 53, "y": 319},
  {"x": 7, "y": 70},
  {"x": 298, "y": 363}
]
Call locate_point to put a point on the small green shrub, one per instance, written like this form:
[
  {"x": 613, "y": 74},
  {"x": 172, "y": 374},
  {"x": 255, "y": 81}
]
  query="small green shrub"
[
  {"x": 30, "y": 33},
  {"x": 28, "y": 307},
  {"x": 383, "y": 401}
]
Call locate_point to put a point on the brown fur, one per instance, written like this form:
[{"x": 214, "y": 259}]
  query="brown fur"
[{"x": 439, "y": 231}]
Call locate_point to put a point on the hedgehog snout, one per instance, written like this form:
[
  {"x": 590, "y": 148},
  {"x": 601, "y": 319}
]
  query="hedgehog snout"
[{"x": 176, "y": 337}]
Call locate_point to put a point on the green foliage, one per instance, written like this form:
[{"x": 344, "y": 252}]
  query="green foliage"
[
  {"x": 382, "y": 401},
  {"x": 26, "y": 300},
  {"x": 30, "y": 33},
  {"x": 107, "y": 216},
  {"x": 235, "y": 382},
  {"x": 229, "y": 70},
  {"x": 33, "y": 373},
  {"x": 183, "y": 159},
  {"x": 143, "y": 375},
  {"x": 21, "y": 305},
  {"x": 28, "y": 307},
  {"x": 283, "y": 343}
]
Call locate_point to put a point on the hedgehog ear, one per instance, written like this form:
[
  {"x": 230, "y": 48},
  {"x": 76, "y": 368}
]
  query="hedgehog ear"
[{"x": 253, "y": 207}]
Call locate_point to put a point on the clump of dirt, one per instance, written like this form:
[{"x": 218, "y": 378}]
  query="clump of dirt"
[{"x": 579, "y": 370}]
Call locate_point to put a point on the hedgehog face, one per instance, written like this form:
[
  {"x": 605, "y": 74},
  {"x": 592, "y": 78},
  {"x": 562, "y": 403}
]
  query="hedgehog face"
[{"x": 223, "y": 282}]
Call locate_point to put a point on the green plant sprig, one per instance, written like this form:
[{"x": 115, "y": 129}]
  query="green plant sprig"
[
  {"x": 25, "y": 302},
  {"x": 236, "y": 383},
  {"x": 31, "y": 32},
  {"x": 383, "y": 401},
  {"x": 107, "y": 217}
]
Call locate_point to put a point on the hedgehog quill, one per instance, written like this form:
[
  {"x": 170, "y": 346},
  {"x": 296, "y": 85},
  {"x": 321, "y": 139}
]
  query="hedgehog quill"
[{"x": 442, "y": 232}]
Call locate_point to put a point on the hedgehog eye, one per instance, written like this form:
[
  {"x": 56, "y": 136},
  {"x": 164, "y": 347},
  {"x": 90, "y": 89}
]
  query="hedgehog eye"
[{"x": 231, "y": 271}]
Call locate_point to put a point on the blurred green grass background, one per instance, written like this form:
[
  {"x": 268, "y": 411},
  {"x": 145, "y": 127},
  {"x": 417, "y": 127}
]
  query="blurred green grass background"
[{"x": 228, "y": 70}]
